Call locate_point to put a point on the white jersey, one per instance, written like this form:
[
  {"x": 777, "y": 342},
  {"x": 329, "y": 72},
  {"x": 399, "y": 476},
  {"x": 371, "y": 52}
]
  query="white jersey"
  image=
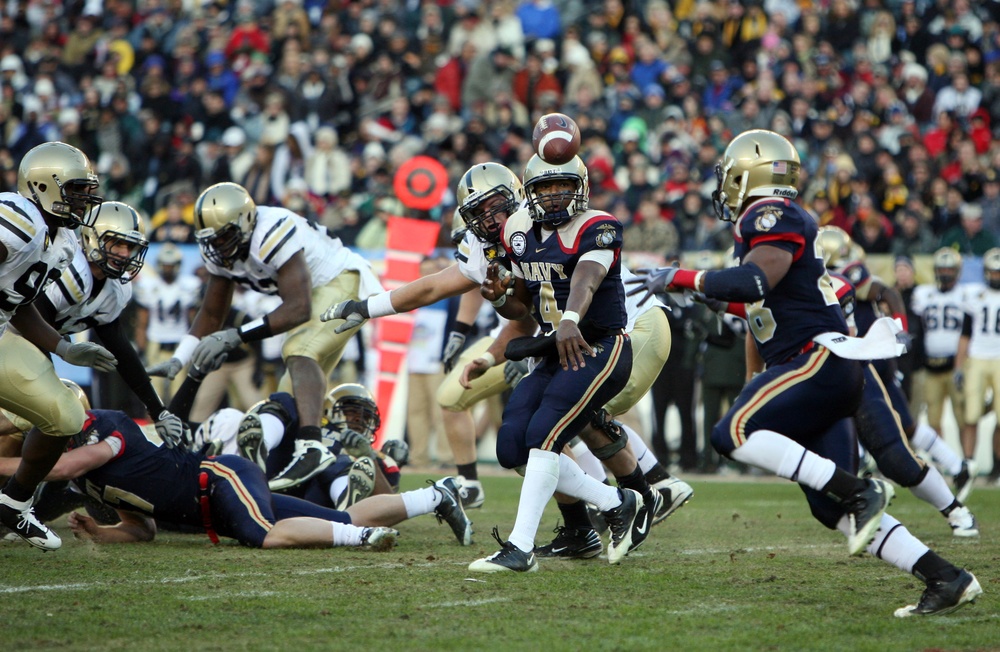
[
  {"x": 77, "y": 306},
  {"x": 278, "y": 235},
  {"x": 941, "y": 314},
  {"x": 34, "y": 259},
  {"x": 983, "y": 306},
  {"x": 169, "y": 305}
]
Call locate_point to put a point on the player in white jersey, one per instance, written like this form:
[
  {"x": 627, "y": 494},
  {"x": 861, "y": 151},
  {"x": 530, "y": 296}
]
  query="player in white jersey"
[
  {"x": 940, "y": 307},
  {"x": 94, "y": 290},
  {"x": 165, "y": 303},
  {"x": 978, "y": 359},
  {"x": 488, "y": 194},
  {"x": 55, "y": 182},
  {"x": 274, "y": 251}
]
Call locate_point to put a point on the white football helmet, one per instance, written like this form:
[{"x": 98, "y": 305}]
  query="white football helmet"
[
  {"x": 352, "y": 406},
  {"x": 947, "y": 268},
  {"x": 477, "y": 192},
  {"x": 224, "y": 217},
  {"x": 991, "y": 268},
  {"x": 553, "y": 209},
  {"x": 59, "y": 179},
  {"x": 115, "y": 222},
  {"x": 757, "y": 163}
]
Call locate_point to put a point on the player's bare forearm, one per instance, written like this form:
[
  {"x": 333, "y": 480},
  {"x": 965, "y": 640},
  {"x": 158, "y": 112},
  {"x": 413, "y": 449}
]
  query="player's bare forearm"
[
  {"x": 28, "y": 321},
  {"x": 295, "y": 290},
  {"x": 586, "y": 279},
  {"x": 214, "y": 307},
  {"x": 468, "y": 307},
  {"x": 424, "y": 291},
  {"x": 512, "y": 329},
  {"x": 133, "y": 528}
]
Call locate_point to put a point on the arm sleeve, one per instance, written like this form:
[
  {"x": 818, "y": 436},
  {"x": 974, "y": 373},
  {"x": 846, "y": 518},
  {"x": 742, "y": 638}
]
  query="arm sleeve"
[{"x": 129, "y": 365}]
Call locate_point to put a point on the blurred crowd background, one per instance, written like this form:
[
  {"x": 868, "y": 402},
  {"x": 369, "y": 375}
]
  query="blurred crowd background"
[{"x": 314, "y": 104}]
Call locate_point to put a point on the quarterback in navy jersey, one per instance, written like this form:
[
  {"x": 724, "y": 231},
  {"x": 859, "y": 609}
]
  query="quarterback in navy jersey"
[
  {"x": 566, "y": 273},
  {"x": 783, "y": 420}
]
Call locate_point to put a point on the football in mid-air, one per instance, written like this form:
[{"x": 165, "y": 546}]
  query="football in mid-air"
[{"x": 556, "y": 138}]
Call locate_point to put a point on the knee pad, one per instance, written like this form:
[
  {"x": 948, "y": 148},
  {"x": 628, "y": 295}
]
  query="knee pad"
[
  {"x": 603, "y": 422},
  {"x": 510, "y": 453},
  {"x": 280, "y": 405}
]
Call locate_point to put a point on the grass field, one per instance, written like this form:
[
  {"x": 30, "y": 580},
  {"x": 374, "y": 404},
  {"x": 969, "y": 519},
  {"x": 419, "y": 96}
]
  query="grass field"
[{"x": 742, "y": 567}]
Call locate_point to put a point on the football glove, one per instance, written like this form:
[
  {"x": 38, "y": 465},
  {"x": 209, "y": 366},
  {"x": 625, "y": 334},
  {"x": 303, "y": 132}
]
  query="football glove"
[
  {"x": 212, "y": 349},
  {"x": 514, "y": 371},
  {"x": 452, "y": 349},
  {"x": 354, "y": 313},
  {"x": 356, "y": 444},
  {"x": 398, "y": 450},
  {"x": 170, "y": 428},
  {"x": 168, "y": 369},
  {"x": 86, "y": 354},
  {"x": 959, "y": 379},
  {"x": 651, "y": 282},
  {"x": 714, "y": 305}
]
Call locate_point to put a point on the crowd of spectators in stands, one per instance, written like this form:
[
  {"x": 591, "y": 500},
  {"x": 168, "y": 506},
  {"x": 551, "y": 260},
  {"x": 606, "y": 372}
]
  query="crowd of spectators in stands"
[{"x": 313, "y": 104}]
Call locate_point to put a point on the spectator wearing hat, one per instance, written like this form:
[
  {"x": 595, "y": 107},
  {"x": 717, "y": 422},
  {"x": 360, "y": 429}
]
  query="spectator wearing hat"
[
  {"x": 720, "y": 92},
  {"x": 919, "y": 99},
  {"x": 247, "y": 36},
  {"x": 969, "y": 237},
  {"x": 913, "y": 236}
]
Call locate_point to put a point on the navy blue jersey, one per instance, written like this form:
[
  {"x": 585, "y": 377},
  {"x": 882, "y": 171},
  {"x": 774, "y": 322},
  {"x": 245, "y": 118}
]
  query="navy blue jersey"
[
  {"x": 867, "y": 310},
  {"x": 804, "y": 304},
  {"x": 547, "y": 266},
  {"x": 144, "y": 477}
]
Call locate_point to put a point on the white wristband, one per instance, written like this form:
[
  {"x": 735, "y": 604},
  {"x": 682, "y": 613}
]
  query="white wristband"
[
  {"x": 488, "y": 357},
  {"x": 570, "y": 315},
  {"x": 499, "y": 302},
  {"x": 380, "y": 305},
  {"x": 185, "y": 348},
  {"x": 697, "y": 281}
]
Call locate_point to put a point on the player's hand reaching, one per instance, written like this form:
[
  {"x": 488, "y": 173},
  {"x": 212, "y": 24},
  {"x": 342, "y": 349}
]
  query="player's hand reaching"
[
  {"x": 571, "y": 345},
  {"x": 398, "y": 450},
  {"x": 354, "y": 313},
  {"x": 651, "y": 282},
  {"x": 168, "y": 369},
  {"x": 170, "y": 428},
  {"x": 86, "y": 354},
  {"x": 452, "y": 349},
  {"x": 212, "y": 349},
  {"x": 514, "y": 371},
  {"x": 474, "y": 370},
  {"x": 498, "y": 284},
  {"x": 83, "y": 526},
  {"x": 356, "y": 444}
]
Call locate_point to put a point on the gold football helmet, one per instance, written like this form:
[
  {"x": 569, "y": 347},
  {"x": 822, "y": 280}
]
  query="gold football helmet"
[
  {"x": 59, "y": 179},
  {"x": 555, "y": 208},
  {"x": 115, "y": 223},
  {"x": 991, "y": 268},
  {"x": 352, "y": 406},
  {"x": 458, "y": 229},
  {"x": 224, "y": 217},
  {"x": 836, "y": 245},
  {"x": 488, "y": 193},
  {"x": 80, "y": 394},
  {"x": 757, "y": 163},
  {"x": 947, "y": 268}
]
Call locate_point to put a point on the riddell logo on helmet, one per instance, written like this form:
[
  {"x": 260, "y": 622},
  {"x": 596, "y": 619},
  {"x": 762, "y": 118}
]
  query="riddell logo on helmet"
[{"x": 782, "y": 192}]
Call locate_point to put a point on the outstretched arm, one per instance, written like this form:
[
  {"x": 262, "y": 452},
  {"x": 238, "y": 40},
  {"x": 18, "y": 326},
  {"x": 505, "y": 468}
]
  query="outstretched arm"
[{"x": 133, "y": 528}]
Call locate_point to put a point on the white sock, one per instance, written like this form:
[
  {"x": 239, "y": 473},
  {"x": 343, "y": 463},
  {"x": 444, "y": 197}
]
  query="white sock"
[
  {"x": 785, "y": 458},
  {"x": 643, "y": 455},
  {"x": 926, "y": 438},
  {"x": 274, "y": 430},
  {"x": 420, "y": 501},
  {"x": 345, "y": 534},
  {"x": 894, "y": 543},
  {"x": 934, "y": 490},
  {"x": 574, "y": 482},
  {"x": 337, "y": 488},
  {"x": 541, "y": 475},
  {"x": 589, "y": 462}
]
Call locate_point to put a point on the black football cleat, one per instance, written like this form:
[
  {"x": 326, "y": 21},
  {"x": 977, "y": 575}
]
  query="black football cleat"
[{"x": 944, "y": 597}]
